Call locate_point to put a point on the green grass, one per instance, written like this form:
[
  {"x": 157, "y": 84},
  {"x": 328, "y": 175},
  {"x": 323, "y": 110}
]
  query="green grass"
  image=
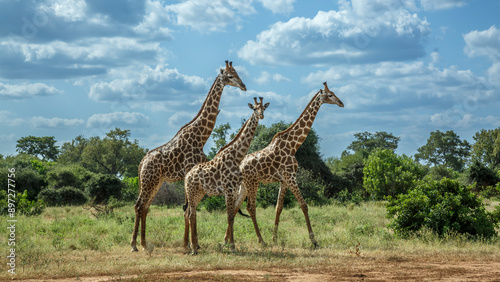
[{"x": 69, "y": 241}]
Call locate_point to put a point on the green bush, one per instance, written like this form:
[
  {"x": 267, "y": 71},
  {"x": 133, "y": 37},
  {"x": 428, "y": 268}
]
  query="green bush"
[
  {"x": 22, "y": 204},
  {"x": 214, "y": 203},
  {"x": 66, "y": 196},
  {"x": 26, "y": 180},
  {"x": 102, "y": 186},
  {"x": 267, "y": 195},
  {"x": 130, "y": 190},
  {"x": 68, "y": 175},
  {"x": 387, "y": 174},
  {"x": 442, "y": 206},
  {"x": 312, "y": 188}
]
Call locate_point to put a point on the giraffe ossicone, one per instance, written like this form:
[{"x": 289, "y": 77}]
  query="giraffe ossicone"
[{"x": 171, "y": 161}]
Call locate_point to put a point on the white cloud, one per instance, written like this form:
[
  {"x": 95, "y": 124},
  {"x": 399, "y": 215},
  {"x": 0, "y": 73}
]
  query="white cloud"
[
  {"x": 63, "y": 39},
  {"x": 155, "y": 21},
  {"x": 23, "y": 91},
  {"x": 125, "y": 119},
  {"x": 7, "y": 118},
  {"x": 42, "y": 122},
  {"x": 441, "y": 4},
  {"x": 280, "y": 78},
  {"x": 210, "y": 15},
  {"x": 266, "y": 77},
  {"x": 353, "y": 34},
  {"x": 278, "y": 6},
  {"x": 401, "y": 85},
  {"x": 148, "y": 84},
  {"x": 483, "y": 43},
  {"x": 68, "y": 10},
  {"x": 263, "y": 78}
]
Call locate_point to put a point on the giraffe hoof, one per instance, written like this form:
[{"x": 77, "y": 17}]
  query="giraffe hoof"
[{"x": 134, "y": 249}]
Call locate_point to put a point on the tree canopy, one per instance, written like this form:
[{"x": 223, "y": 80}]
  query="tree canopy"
[
  {"x": 445, "y": 148},
  {"x": 114, "y": 154},
  {"x": 44, "y": 147},
  {"x": 367, "y": 142},
  {"x": 486, "y": 149}
]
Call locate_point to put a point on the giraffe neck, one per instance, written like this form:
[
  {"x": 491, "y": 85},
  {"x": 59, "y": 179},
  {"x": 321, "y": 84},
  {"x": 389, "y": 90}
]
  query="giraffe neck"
[
  {"x": 207, "y": 115},
  {"x": 240, "y": 144},
  {"x": 297, "y": 133}
]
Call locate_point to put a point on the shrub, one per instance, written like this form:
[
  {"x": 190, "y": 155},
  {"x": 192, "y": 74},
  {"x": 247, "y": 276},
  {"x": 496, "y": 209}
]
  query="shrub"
[
  {"x": 214, "y": 203},
  {"x": 442, "y": 206},
  {"x": 387, "y": 174},
  {"x": 130, "y": 190},
  {"x": 22, "y": 206},
  {"x": 312, "y": 188},
  {"x": 102, "y": 186},
  {"x": 170, "y": 194},
  {"x": 267, "y": 195},
  {"x": 63, "y": 196},
  {"x": 72, "y": 175}
]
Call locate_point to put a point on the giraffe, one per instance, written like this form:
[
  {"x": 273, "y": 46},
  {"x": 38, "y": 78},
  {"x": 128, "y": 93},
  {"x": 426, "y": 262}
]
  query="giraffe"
[
  {"x": 171, "y": 161},
  {"x": 277, "y": 163},
  {"x": 221, "y": 175}
]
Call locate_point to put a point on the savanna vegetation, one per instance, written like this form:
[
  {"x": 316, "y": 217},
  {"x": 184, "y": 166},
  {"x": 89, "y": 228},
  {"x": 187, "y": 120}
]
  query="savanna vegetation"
[{"x": 75, "y": 205}]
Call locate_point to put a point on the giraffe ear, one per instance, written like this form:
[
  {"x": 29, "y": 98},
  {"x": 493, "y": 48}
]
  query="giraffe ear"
[
  {"x": 221, "y": 71},
  {"x": 266, "y": 105},
  {"x": 251, "y": 106}
]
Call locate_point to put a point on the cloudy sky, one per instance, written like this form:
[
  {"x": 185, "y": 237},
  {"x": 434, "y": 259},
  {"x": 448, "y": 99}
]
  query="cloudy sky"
[{"x": 71, "y": 67}]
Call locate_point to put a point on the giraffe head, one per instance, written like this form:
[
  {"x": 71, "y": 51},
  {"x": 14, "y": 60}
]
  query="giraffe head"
[
  {"x": 258, "y": 107},
  {"x": 327, "y": 96},
  {"x": 230, "y": 77}
]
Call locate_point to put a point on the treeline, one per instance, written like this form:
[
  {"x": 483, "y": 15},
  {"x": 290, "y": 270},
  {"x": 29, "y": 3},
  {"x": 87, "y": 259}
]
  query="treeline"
[
  {"x": 370, "y": 168},
  {"x": 95, "y": 169}
]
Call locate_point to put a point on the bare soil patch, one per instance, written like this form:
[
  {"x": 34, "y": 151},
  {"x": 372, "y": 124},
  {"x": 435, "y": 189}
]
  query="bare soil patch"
[{"x": 350, "y": 269}]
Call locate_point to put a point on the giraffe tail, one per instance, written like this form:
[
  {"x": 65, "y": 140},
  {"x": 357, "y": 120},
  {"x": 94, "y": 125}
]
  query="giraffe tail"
[{"x": 240, "y": 212}]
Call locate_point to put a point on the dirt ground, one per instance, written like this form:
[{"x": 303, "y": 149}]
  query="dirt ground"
[{"x": 392, "y": 269}]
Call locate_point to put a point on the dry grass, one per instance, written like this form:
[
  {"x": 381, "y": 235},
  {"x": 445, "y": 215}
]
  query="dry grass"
[{"x": 68, "y": 242}]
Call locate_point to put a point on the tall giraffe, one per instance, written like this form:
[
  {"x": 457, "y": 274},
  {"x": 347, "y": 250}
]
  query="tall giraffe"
[
  {"x": 277, "y": 163},
  {"x": 171, "y": 161},
  {"x": 221, "y": 175}
]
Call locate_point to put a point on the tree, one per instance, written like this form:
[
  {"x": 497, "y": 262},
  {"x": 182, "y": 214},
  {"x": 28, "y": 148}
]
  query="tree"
[
  {"x": 486, "y": 149},
  {"x": 115, "y": 154},
  {"x": 387, "y": 174},
  {"x": 367, "y": 142},
  {"x": 38, "y": 146},
  {"x": 445, "y": 148},
  {"x": 482, "y": 175},
  {"x": 71, "y": 152}
]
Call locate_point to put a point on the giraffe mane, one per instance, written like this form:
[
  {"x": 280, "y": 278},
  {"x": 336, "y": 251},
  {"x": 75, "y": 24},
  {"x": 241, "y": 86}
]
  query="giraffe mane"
[
  {"x": 279, "y": 134},
  {"x": 203, "y": 105}
]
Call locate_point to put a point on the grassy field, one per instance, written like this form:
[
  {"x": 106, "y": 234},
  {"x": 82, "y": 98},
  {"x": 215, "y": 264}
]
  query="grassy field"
[{"x": 68, "y": 242}]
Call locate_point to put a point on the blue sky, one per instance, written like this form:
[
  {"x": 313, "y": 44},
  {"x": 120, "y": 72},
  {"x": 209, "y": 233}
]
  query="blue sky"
[{"x": 408, "y": 67}]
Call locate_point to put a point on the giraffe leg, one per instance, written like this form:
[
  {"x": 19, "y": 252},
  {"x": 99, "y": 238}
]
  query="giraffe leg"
[
  {"x": 133, "y": 242},
  {"x": 186, "y": 227},
  {"x": 230, "y": 220},
  {"x": 197, "y": 201},
  {"x": 292, "y": 183},
  {"x": 192, "y": 221},
  {"x": 251, "y": 208},
  {"x": 242, "y": 194},
  {"x": 279, "y": 208},
  {"x": 144, "y": 214}
]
